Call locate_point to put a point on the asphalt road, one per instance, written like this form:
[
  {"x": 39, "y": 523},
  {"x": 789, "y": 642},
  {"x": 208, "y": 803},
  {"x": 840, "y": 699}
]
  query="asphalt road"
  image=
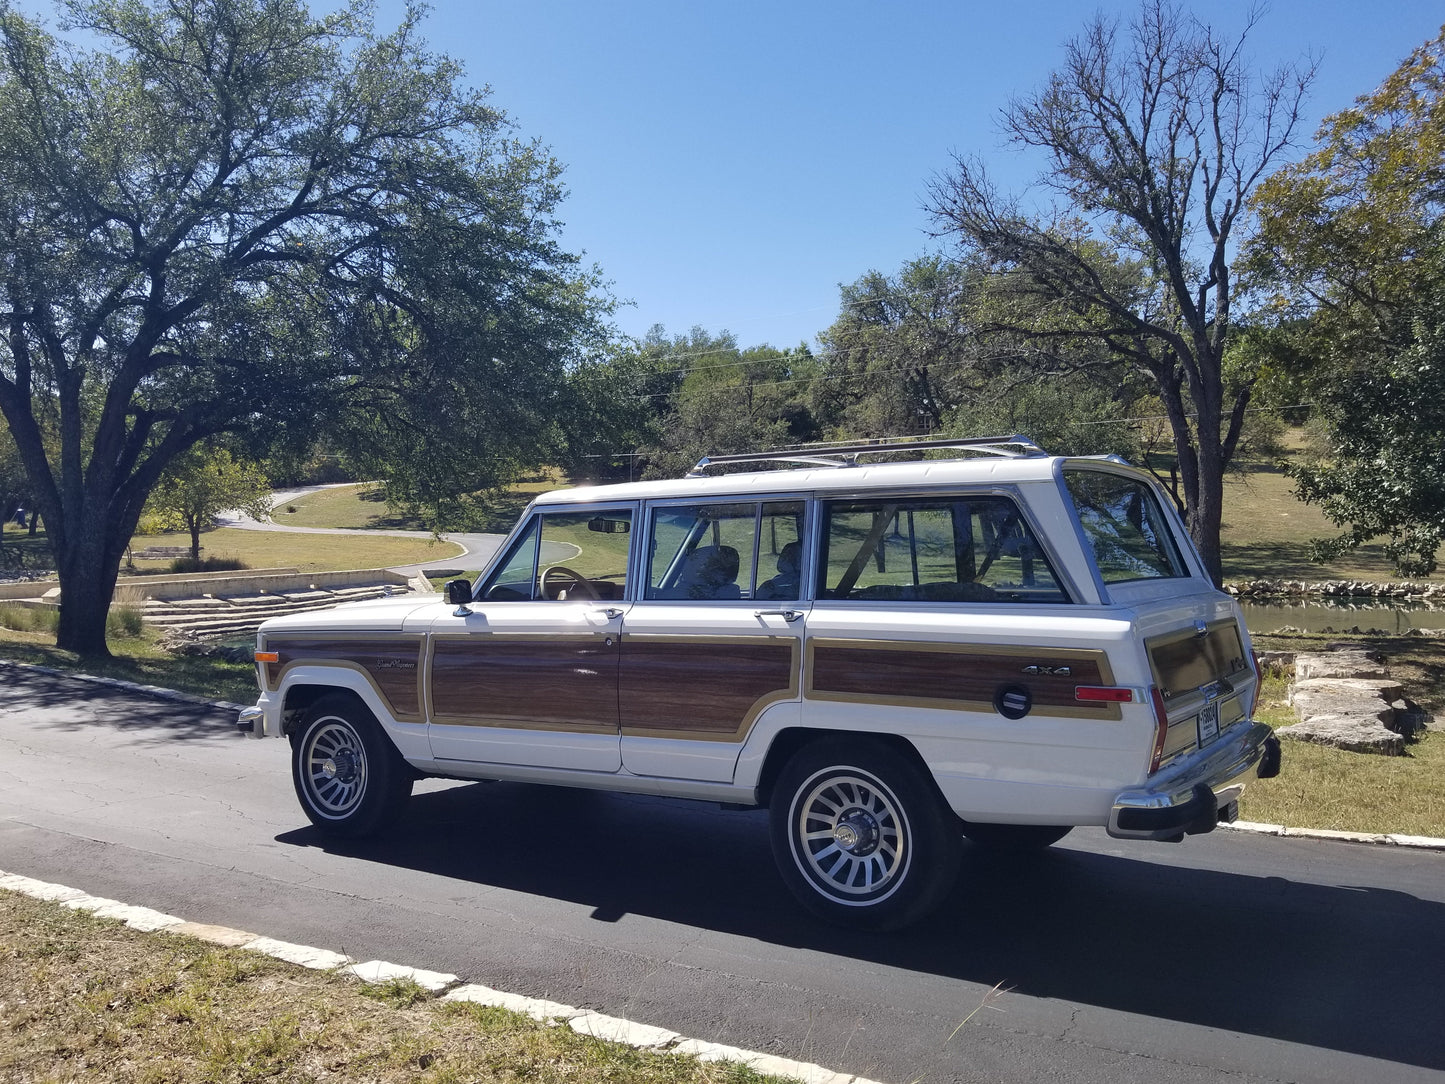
[{"x": 1227, "y": 957}]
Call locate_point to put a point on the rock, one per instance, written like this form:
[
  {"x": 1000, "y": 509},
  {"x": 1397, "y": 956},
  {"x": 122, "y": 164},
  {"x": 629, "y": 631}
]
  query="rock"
[
  {"x": 1384, "y": 689},
  {"x": 1355, "y": 734},
  {"x": 1337, "y": 664}
]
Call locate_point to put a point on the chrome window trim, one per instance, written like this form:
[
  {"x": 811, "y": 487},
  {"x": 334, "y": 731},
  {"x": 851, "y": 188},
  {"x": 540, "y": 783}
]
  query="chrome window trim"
[
  {"x": 1010, "y": 492},
  {"x": 652, "y": 507},
  {"x": 1184, "y": 547},
  {"x": 524, "y": 522}
]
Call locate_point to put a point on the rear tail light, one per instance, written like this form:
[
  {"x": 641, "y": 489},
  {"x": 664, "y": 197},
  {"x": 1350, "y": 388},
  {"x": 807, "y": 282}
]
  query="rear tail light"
[
  {"x": 1161, "y": 727},
  {"x": 1258, "y": 679},
  {"x": 1103, "y": 694}
]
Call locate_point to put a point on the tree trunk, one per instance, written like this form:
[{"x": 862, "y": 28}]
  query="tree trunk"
[
  {"x": 1207, "y": 513},
  {"x": 194, "y": 523},
  {"x": 87, "y": 581}
]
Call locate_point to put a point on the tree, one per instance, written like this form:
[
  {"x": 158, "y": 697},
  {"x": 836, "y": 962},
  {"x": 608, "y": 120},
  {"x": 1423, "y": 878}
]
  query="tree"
[
  {"x": 1385, "y": 475},
  {"x": 725, "y": 399},
  {"x": 232, "y": 216},
  {"x": 203, "y": 481},
  {"x": 1156, "y": 138},
  {"x": 1350, "y": 248},
  {"x": 896, "y": 360}
]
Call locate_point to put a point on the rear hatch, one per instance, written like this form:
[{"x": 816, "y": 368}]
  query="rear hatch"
[
  {"x": 1195, "y": 645},
  {"x": 1202, "y": 677}
]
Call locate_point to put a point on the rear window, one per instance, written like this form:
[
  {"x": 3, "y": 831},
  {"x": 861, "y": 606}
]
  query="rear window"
[
  {"x": 934, "y": 549},
  {"x": 1124, "y": 526}
]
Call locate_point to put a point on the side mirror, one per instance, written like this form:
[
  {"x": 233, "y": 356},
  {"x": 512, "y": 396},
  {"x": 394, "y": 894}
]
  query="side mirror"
[{"x": 458, "y": 592}]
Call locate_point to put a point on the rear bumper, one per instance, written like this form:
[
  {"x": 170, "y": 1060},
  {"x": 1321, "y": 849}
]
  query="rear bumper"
[{"x": 1194, "y": 793}]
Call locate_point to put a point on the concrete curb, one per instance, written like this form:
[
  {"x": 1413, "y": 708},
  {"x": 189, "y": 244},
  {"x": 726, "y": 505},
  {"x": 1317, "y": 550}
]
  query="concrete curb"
[
  {"x": 444, "y": 987},
  {"x": 1392, "y": 839}
]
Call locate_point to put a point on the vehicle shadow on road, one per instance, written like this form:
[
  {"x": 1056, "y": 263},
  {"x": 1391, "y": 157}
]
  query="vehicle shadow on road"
[{"x": 1343, "y": 968}]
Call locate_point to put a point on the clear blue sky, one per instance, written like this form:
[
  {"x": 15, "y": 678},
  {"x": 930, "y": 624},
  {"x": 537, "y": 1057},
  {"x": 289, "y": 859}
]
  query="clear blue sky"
[{"x": 730, "y": 164}]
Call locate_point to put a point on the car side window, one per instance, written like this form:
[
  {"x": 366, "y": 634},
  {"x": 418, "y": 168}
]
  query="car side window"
[
  {"x": 723, "y": 551},
  {"x": 1127, "y": 533},
  {"x": 565, "y": 556},
  {"x": 935, "y": 549}
]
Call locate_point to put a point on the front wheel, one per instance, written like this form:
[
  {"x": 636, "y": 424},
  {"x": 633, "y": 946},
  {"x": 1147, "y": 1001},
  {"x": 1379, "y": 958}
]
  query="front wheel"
[
  {"x": 348, "y": 776},
  {"x": 860, "y": 835}
]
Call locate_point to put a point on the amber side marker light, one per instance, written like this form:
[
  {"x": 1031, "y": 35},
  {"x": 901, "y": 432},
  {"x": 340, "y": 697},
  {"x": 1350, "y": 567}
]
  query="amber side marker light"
[{"x": 268, "y": 656}]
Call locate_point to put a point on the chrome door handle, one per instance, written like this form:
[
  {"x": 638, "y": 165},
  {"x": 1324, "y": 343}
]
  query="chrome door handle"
[
  {"x": 612, "y": 612},
  {"x": 786, "y": 615}
]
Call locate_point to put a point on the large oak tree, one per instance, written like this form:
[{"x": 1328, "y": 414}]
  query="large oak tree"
[
  {"x": 232, "y": 215},
  {"x": 1153, "y": 137}
]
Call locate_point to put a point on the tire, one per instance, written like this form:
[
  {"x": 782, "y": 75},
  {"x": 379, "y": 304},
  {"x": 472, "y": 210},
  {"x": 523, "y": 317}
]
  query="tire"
[
  {"x": 348, "y": 776},
  {"x": 1016, "y": 837},
  {"x": 860, "y": 834}
]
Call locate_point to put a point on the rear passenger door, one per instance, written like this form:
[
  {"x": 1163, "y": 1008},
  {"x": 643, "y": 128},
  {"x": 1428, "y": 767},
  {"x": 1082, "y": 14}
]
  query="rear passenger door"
[
  {"x": 714, "y": 638},
  {"x": 942, "y": 618}
]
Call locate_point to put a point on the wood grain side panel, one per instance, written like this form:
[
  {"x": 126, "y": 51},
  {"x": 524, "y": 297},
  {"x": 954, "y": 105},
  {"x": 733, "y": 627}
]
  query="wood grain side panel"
[
  {"x": 561, "y": 683},
  {"x": 392, "y": 665},
  {"x": 700, "y": 687},
  {"x": 949, "y": 675}
]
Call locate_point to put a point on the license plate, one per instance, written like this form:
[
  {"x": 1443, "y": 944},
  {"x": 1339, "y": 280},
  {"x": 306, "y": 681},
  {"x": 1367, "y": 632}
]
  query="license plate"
[{"x": 1208, "y": 723}]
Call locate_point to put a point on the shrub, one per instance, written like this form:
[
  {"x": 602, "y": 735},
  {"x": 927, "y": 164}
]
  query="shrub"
[
  {"x": 123, "y": 621},
  {"x": 28, "y": 619},
  {"x": 207, "y": 564}
]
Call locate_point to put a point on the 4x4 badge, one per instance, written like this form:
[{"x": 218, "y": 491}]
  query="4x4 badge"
[{"x": 1048, "y": 671}]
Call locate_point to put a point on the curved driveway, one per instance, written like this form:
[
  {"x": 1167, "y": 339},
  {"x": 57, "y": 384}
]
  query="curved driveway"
[{"x": 477, "y": 549}]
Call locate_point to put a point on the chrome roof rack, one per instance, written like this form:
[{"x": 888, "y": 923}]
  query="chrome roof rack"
[{"x": 846, "y": 455}]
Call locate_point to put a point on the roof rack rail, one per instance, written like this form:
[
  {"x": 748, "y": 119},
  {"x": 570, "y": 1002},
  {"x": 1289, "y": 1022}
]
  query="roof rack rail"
[{"x": 846, "y": 455}]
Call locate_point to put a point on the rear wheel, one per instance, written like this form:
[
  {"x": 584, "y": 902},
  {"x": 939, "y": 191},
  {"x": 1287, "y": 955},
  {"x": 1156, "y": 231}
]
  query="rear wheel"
[
  {"x": 860, "y": 835},
  {"x": 348, "y": 776},
  {"x": 1016, "y": 837}
]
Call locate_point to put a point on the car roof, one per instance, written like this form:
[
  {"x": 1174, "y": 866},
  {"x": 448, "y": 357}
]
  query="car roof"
[{"x": 851, "y": 478}]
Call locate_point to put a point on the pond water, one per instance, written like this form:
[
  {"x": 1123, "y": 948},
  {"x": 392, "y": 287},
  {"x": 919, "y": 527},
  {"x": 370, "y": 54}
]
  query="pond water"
[{"x": 1316, "y": 615}]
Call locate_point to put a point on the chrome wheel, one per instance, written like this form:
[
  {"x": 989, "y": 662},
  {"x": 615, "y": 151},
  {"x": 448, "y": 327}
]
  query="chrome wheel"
[
  {"x": 850, "y": 836},
  {"x": 860, "y": 833},
  {"x": 334, "y": 767},
  {"x": 348, "y": 775}
]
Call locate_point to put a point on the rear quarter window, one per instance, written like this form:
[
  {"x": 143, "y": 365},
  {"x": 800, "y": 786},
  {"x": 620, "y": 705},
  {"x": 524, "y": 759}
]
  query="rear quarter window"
[{"x": 1126, "y": 530}]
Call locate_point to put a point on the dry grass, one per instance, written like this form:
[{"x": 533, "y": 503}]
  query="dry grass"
[
  {"x": 1328, "y": 788},
  {"x": 87, "y": 999}
]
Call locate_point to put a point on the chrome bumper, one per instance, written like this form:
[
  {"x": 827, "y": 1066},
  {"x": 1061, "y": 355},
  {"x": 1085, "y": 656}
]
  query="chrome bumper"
[
  {"x": 1188, "y": 797},
  {"x": 252, "y": 722}
]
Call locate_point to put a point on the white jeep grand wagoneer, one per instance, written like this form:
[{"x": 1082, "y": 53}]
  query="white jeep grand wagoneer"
[{"x": 889, "y": 656}]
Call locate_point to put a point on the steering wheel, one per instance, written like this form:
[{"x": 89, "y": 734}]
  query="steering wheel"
[{"x": 574, "y": 580}]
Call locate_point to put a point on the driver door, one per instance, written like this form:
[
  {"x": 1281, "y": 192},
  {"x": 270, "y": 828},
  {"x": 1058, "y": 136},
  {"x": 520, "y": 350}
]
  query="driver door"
[{"x": 528, "y": 676}]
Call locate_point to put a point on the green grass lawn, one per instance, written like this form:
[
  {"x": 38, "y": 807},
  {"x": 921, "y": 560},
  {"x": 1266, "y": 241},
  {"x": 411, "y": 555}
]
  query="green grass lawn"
[
  {"x": 1266, "y": 534},
  {"x": 362, "y": 507},
  {"x": 359, "y": 507},
  {"x": 307, "y": 552}
]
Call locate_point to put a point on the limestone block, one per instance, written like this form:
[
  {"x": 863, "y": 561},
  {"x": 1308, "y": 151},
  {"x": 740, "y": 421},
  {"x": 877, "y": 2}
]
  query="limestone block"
[
  {"x": 1358, "y": 735},
  {"x": 1337, "y": 664}
]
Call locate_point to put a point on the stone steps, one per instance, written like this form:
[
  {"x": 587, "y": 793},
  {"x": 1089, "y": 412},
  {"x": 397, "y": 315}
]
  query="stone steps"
[{"x": 214, "y": 616}]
